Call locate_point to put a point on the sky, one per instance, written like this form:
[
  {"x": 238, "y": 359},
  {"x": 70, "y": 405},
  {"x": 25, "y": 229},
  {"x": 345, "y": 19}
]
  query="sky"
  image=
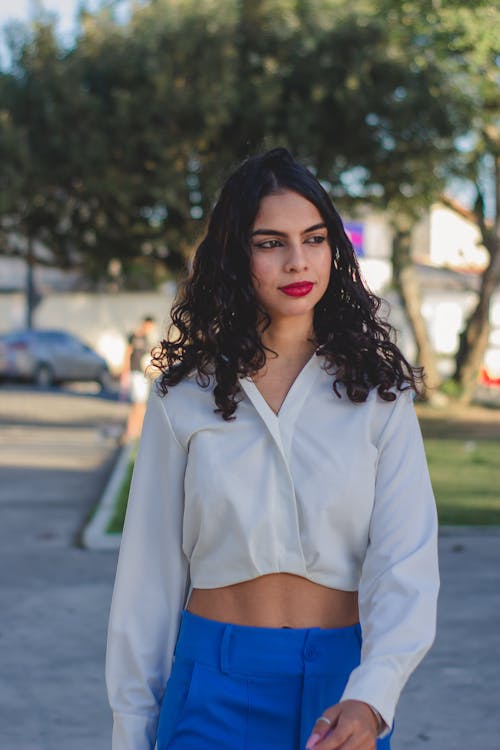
[{"x": 20, "y": 10}]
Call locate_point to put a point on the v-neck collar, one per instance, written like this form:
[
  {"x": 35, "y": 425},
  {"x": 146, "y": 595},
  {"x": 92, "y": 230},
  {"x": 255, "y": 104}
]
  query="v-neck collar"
[
  {"x": 294, "y": 389},
  {"x": 292, "y": 402}
]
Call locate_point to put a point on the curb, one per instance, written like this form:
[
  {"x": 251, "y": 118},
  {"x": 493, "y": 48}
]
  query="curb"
[
  {"x": 469, "y": 531},
  {"x": 94, "y": 534}
]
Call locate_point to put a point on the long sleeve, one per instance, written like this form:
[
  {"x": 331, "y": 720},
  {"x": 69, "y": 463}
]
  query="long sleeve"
[
  {"x": 150, "y": 586},
  {"x": 400, "y": 578}
]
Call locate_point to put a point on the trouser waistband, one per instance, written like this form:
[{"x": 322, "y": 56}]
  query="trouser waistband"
[{"x": 253, "y": 651}]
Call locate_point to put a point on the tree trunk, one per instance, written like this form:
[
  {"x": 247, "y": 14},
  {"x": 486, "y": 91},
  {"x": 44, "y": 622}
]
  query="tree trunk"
[
  {"x": 408, "y": 286},
  {"x": 474, "y": 338}
]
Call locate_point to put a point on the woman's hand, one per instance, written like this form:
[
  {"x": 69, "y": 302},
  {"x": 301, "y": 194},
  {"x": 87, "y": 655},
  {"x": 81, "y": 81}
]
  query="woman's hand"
[{"x": 354, "y": 727}]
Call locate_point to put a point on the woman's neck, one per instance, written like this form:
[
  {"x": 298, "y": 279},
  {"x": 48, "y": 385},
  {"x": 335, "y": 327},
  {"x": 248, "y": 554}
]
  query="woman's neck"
[{"x": 291, "y": 342}]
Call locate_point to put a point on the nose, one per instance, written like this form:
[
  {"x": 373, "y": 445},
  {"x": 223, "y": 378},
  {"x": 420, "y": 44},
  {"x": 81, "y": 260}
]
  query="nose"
[{"x": 296, "y": 257}]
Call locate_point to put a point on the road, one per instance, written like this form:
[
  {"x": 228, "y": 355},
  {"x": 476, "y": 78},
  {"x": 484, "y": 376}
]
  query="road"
[{"x": 56, "y": 451}]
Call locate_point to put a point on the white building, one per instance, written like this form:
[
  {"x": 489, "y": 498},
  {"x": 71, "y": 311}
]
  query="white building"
[{"x": 450, "y": 258}]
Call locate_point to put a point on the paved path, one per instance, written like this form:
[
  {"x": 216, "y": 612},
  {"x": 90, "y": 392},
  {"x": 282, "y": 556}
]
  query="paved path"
[
  {"x": 452, "y": 702},
  {"x": 56, "y": 451}
]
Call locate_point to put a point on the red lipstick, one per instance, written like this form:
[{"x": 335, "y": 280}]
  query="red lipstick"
[{"x": 299, "y": 289}]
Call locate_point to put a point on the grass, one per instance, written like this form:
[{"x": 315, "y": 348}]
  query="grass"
[
  {"x": 466, "y": 479},
  {"x": 115, "y": 525},
  {"x": 463, "y": 452}
]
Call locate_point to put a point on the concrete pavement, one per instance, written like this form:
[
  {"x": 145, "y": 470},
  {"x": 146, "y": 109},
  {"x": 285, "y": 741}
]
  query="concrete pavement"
[
  {"x": 56, "y": 451},
  {"x": 453, "y": 699}
]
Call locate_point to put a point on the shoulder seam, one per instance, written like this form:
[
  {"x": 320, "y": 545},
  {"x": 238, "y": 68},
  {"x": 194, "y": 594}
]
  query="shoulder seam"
[
  {"x": 168, "y": 420},
  {"x": 400, "y": 396}
]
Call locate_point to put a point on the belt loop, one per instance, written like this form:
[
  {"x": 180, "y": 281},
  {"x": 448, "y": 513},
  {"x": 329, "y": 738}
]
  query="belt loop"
[{"x": 224, "y": 649}]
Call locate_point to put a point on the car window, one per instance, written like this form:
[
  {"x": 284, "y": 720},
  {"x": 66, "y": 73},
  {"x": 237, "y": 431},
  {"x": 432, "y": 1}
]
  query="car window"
[
  {"x": 73, "y": 342},
  {"x": 51, "y": 337}
]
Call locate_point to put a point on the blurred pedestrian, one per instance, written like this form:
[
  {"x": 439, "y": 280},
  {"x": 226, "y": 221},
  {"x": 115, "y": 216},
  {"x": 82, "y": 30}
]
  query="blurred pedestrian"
[
  {"x": 133, "y": 377},
  {"x": 277, "y": 577}
]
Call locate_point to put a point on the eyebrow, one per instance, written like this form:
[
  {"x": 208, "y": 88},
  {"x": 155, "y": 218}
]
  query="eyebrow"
[{"x": 276, "y": 233}]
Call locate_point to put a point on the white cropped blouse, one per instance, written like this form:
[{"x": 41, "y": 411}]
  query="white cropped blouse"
[{"x": 333, "y": 491}]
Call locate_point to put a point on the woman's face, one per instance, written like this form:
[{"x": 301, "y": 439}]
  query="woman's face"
[{"x": 290, "y": 246}]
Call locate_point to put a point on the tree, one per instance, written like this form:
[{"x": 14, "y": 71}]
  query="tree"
[
  {"x": 33, "y": 210},
  {"x": 474, "y": 31},
  {"x": 329, "y": 70},
  {"x": 121, "y": 142},
  {"x": 460, "y": 40},
  {"x": 106, "y": 136}
]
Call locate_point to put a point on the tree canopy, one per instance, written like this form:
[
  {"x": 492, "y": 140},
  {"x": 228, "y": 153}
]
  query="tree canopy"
[{"x": 113, "y": 149}]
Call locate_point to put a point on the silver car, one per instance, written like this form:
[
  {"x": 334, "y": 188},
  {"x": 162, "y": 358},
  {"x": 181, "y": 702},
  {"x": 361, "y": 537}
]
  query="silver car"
[{"x": 50, "y": 356}]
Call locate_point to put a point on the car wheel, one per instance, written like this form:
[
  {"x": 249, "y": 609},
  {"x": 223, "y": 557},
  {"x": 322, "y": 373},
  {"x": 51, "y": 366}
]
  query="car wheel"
[{"x": 44, "y": 376}]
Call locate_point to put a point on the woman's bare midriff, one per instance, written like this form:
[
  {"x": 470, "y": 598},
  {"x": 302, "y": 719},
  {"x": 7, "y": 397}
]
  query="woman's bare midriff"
[{"x": 275, "y": 601}]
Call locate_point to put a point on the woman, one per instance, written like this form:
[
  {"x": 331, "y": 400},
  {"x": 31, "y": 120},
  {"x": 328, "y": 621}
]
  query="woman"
[{"x": 281, "y": 529}]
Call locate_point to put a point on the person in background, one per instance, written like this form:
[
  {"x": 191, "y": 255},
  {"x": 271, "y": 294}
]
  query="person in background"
[
  {"x": 278, "y": 574},
  {"x": 136, "y": 359}
]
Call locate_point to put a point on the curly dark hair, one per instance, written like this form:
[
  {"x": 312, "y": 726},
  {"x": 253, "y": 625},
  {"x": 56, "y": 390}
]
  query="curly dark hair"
[{"x": 215, "y": 314}]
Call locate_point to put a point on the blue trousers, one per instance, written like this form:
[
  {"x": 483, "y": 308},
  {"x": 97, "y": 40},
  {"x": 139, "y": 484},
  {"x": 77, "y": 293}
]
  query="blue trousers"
[{"x": 235, "y": 687}]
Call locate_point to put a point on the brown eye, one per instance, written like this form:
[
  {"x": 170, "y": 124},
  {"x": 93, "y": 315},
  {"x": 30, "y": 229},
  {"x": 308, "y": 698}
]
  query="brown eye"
[{"x": 268, "y": 244}]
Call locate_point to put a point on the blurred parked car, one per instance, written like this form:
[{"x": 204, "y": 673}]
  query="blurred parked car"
[{"x": 50, "y": 356}]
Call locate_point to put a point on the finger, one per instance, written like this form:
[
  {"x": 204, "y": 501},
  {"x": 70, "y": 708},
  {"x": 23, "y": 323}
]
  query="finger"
[
  {"x": 352, "y": 744},
  {"x": 336, "y": 737},
  {"x": 347, "y": 738},
  {"x": 322, "y": 727}
]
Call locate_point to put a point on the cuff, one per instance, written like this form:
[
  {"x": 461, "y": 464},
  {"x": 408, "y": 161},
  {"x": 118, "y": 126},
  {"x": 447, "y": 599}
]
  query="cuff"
[
  {"x": 134, "y": 731},
  {"x": 377, "y": 688},
  {"x": 382, "y": 728}
]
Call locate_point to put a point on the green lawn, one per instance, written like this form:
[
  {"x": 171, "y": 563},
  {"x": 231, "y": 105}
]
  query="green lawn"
[
  {"x": 115, "y": 525},
  {"x": 465, "y": 475},
  {"x": 466, "y": 479}
]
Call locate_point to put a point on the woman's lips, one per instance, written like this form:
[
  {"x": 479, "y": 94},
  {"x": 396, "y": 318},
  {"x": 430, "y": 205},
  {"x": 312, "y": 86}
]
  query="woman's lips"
[{"x": 300, "y": 289}]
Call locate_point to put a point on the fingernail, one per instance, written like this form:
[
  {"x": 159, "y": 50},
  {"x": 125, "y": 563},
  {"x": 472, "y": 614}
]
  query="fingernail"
[{"x": 313, "y": 740}]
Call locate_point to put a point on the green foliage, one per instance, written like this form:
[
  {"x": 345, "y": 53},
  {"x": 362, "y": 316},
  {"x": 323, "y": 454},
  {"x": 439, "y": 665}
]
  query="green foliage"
[
  {"x": 461, "y": 40},
  {"x": 107, "y": 134},
  {"x": 451, "y": 388},
  {"x": 116, "y": 147}
]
